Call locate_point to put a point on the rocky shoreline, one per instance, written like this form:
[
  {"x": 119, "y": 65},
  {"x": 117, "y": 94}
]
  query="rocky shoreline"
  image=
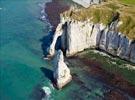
[
  {"x": 119, "y": 85},
  {"x": 53, "y": 10}
]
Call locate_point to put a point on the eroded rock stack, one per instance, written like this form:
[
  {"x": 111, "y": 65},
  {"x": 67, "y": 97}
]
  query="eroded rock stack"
[{"x": 61, "y": 73}]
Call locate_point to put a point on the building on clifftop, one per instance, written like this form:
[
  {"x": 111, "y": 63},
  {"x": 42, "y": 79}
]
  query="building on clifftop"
[{"x": 87, "y": 3}]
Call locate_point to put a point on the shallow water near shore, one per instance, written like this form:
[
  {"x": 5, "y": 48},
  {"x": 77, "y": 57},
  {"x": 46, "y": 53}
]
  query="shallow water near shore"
[{"x": 23, "y": 71}]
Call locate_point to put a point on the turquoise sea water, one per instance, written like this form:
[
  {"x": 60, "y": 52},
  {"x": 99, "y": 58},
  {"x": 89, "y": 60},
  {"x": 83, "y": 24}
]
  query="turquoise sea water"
[{"x": 20, "y": 48}]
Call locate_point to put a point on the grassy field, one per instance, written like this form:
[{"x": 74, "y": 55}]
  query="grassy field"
[
  {"x": 104, "y": 13},
  {"x": 113, "y": 65},
  {"x": 128, "y": 1}
]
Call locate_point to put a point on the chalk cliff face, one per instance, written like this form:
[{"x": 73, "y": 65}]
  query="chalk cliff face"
[
  {"x": 77, "y": 36},
  {"x": 58, "y": 32},
  {"x": 83, "y": 35}
]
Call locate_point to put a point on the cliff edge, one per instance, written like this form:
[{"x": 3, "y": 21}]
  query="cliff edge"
[{"x": 109, "y": 27}]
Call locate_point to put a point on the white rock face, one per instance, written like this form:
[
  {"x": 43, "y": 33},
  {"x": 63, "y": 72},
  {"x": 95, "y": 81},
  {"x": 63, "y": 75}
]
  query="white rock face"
[
  {"x": 78, "y": 36},
  {"x": 75, "y": 32},
  {"x": 113, "y": 44},
  {"x": 61, "y": 73},
  {"x": 58, "y": 32},
  {"x": 123, "y": 47},
  {"x": 83, "y": 35},
  {"x": 132, "y": 52}
]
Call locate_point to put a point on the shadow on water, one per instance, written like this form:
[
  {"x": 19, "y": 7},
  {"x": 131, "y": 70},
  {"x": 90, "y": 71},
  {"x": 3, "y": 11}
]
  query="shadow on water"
[
  {"x": 46, "y": 42},
  {"x": 53, "y": 10},
  {"x": 48, "y": 73}
]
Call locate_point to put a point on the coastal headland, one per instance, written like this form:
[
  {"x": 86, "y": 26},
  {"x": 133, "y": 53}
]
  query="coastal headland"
[{"x": 107, "y": 69}]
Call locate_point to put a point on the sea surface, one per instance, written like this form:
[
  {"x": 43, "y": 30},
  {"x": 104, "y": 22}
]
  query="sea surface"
[
  {"x": 20, "y": 48},
  {"x": 23, "y": 72}
]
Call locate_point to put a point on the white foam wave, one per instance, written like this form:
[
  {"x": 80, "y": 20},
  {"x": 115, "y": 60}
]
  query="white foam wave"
[
  {"x": 44, "y": 16},
  {"x": 46, "y": 90}
]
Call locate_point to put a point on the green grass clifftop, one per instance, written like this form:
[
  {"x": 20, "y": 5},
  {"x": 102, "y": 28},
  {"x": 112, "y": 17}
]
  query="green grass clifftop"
[{"x": 104, "y": 13}]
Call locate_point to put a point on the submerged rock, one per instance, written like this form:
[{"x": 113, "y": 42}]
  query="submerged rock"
[
  {"x": 61, "y": 73},
  {"x": 47, "y": 93}
]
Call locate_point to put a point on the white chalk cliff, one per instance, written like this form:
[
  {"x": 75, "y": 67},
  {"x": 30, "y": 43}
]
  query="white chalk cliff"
[
  {"x": 77, "y": 36},
  {"x": 58, "y": 32},
  {"x": 61, "y": 73}
]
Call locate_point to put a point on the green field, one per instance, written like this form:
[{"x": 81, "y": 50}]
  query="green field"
[
  {"x": 105, "y": 12},
  {"x": 128, "y": 1}
]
